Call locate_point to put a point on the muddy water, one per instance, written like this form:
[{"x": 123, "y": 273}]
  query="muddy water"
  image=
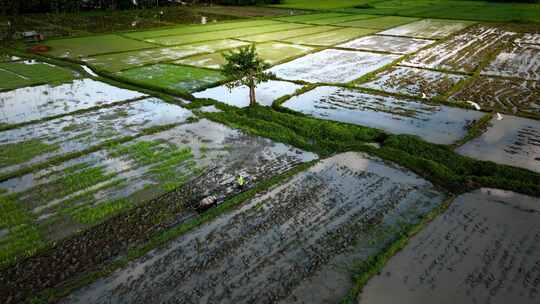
[
  {"x": 513, "y": 141},
  {"x": 428, "y": 28},
  {"x": 484, "y": 249},
  {"x": 463, "y": 52},
  {"x": 332, "y": 66},
  {"x": 434, "y": 123},
  {"x": 522, "y": 61},
  {"x": 396, "y": 45},
  {"x": 265, "y": 93},
  {"x": 34, "y": 103},
  {"x": 414, "y": 82},
  {"x": 217, "y": 153},
  {"x": 293, "y": 243},
  {"x": 530, "y": 38},
  {"x": 510, "y": 95},
  {"x": 77, "y": 132}
]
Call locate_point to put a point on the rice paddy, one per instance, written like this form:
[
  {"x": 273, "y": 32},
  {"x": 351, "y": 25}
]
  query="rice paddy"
[{"x": 107, "y": 175}]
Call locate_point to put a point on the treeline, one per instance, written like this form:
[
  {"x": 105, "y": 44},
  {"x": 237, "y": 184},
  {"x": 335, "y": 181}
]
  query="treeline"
[{"x": 43, "y": 6}]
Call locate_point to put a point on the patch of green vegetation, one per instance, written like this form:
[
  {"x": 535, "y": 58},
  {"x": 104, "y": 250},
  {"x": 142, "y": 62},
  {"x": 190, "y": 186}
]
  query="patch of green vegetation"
[
  {"x": 12, "y": 154},
  {"x": 444, "y": 9},
  {"x": 380, "y": 23},
  {"x": 332, "y": 38},
  {"x": 93, "y": 214},
  {"x": 289, "y": 33},
  {"x": 93, "y": 45},
  {"x": 23, "y": 238},
  {"x": 173, "y": 77},
  {"x": 235, "y": 33},
  {"x": 336, "y": 20},
  {"x": 310, "y": 17},
  {"x": 19, "y": 74}
]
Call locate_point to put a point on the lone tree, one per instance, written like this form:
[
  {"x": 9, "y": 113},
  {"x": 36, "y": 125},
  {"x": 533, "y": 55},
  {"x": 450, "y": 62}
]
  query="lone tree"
[{"x": 248, "y": 68}]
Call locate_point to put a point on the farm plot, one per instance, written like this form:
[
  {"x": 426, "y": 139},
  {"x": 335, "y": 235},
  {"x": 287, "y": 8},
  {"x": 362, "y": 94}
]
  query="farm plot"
[
  {"x": 310, "y": 17},
  {"x": 433, "y": 123},
  {"x": 198, "y": 29},
  {"x": 61, "y": 199},
  {"x": 173, "y": 77},
  {"x": 332, "y": 66},
  {"x": 40, "y": 102},
  {"x": 429, "y": 28},
  {"x": 288, "y": 33},
  {"x": 521, "y": 61},
  {"x": 271, "y": 52},
  {"x": 234, "y": 33},
  {"x": 341, "y": 19},
  {"x": 94, "y": 45},
  {"x": 513, "y": 141},
  {"x": 530, "y": 38},
  {"x": 330, "y": 38},
  {"x": 121, "y": 61},
  {"x": 284, "y": 244},
  {"x": 413, "y": 82},
  {"x": 29, "y": 72},
  {"x": 506, "y": 94},
  {"x": 463, "y": 52},
  {"x": 25, "y": 146},
  {"x": 380, "y": 23},
  {"x": 397, "y": 45},
  {"x": 483, "y": 249},
  {"x": 266, "y": 93}
]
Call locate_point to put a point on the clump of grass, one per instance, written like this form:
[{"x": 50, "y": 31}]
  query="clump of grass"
[{"x": 12, "y": 154}]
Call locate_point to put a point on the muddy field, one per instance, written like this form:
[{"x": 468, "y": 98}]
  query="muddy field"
[
  {"x": 505, "y": 94},
  {"x": 332, "y": 66},
  {"x": 463, "y": 52},
  {"x": 34, "y": 103},
  {"x": 483, "y": 249},
  {"x": 428, "y": 28},
  {"x": 283, "y": 245},
  {"x": 521, "y": 61},
  {"x": 414, "y": 82},
  {"x": 265, "y": 92},
  {"x": 396, "y": 45},
  {"x": 513, "y": 141},
  {"x": 434, "y": 123}
]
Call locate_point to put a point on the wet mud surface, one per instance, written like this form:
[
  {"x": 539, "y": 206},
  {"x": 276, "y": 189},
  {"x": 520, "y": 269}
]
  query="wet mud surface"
[
  {"x": 428, "y": 28},
  {"x": 433, "y": 123},
  {"x": 414, "y": 82},
  {"x": 78, "y": 132},
  {"x": 463, "y": 52},
  {"x": 513, "y": 141},
  {"x": 396, "y": 45},
  {"x": 530, "y": 38},
  {"x": 483, "y": 249},
  {"x": 284, "y": 244},
  {"x": 508, "y": 95},
  {"x": 521, "y": 61},
  {"x": 34, "y": 103},
  {"x": 265, "y": 92},
  {"x": 332, "y": 66},
  {"x": 204, "y": 156}
]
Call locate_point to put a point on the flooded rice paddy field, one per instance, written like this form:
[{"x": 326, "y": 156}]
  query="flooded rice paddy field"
[
  {"x": 520, "y": 61},
  {"x": 530, "y": 38},
  {"x": 414, "y": 82},
  {"x": 428, "y": 28},
  {"x": 433, "y": 123},
  {"x": 73, "y": 133},
  {"x": 463, "y": 52},
  {"x": 266, "y": 92},
  {"x": 19, "y": 73},
  {"x": 82, "y": 191},
  {"x": 483, "y": 249},
  {"x": 332, "y": 66},
  {"x": 39, "y": 102},
  {"x": 390, "y": 44},
  {"x": 271, "y": 52},
  {"x": 509, "y": 95},
  {"x": 513, "y": 141},
  {"x": 283, "y": 245},
  {"x": 330, "y": 38}
]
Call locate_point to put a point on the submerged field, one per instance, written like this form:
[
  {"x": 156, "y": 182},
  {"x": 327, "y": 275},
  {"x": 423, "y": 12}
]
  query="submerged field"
[{"x": 371, "y": 125}]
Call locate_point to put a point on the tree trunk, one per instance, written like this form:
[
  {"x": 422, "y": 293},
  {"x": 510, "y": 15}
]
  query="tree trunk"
[{"x": 252, "y": 97}]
